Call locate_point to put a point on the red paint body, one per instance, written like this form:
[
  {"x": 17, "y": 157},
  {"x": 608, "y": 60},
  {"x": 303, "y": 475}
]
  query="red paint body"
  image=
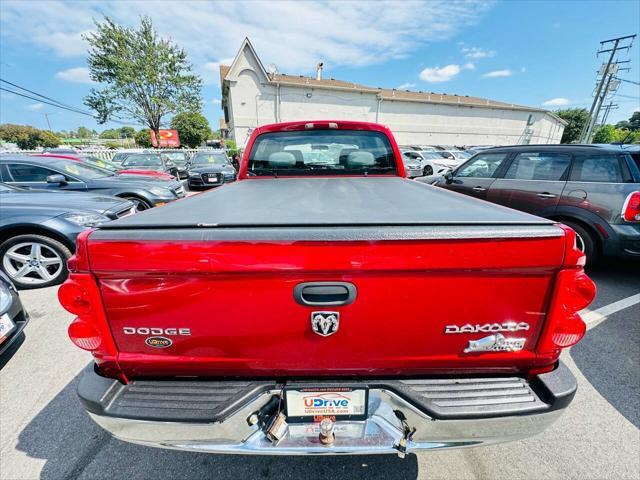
[{"x": 236, "y": 297}]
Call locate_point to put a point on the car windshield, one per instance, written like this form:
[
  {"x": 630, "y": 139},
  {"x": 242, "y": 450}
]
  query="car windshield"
[
  {"x": 100, "y": 163},
  {"x": 81, "y": 170},
  {"x": 176, "y": 157},
  {"x": 142, "y": 161},
  {"x": 431, "y": 155},
  {"x": 321, "y": 152},
  {"x": 210, "y": 159}
]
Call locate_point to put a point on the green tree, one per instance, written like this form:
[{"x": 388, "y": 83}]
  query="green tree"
[
  {"x": 623, "y": 125},
  {"x": 144, "y": 76},
  {"x": 193, "y": 128},
  {"x": 112, "y": 145},
  {"x": 634, "y": 122},
  {"x": 110, "y": 134},
  {"x": 47, "y": 139},
  {"x": 83, "y": 132},
  {"x": 143, "y": 138},
  {"x": 605, "y": 134},
  {"x": 27, "y": 137},
  {"x": 126, "y": 132},
  {"x": 576, "y": 118}
]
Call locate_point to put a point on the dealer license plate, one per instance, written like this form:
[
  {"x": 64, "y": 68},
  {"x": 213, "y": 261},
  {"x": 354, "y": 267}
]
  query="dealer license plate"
[
  {"x": 212, "y": 179},
  {"x": 315, "y": 403},
  {"x": 6, "y": 327}
]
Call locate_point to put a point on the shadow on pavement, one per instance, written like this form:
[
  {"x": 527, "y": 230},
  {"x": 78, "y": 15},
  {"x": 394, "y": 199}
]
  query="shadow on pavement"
[
  {"x": 609, "y": 354},
  {"x": 11, "y": 351},
  {"x": 74, "y": 447}
]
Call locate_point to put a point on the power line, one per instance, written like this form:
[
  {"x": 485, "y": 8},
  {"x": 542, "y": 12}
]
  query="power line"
[
  {"x": 45, "y": 97},
  {"x": 56, "y": 103},
  {"x": 30, "y": 97}
]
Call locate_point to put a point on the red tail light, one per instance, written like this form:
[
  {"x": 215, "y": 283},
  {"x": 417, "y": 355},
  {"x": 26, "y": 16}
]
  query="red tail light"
[
  {"x": 84, "y": 335},
  {"x": 74, "y": 298},
  {"x": 80, "y": 295},
  {"x": 573, "y": 291},
  {"x": 631, "y": 208}
]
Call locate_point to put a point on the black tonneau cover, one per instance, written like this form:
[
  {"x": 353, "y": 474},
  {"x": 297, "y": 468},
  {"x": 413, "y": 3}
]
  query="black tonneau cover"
[{"x": 309, "y": 202}]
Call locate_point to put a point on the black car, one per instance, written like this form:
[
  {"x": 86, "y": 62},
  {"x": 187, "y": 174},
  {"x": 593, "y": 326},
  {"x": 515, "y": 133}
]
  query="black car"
[
  {"x": 66, "y": 174},
  {"x": 13, "y": 317},
  {"x": 38, "y": 230},
  {"x": 210, "y": 169},
  {"x": 180, "y": 160},
  {"x": 150, "y": 161},
  {"x": 594, "y": 189}
]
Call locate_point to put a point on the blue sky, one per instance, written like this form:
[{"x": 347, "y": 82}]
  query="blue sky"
[{"x": 525, "y": 52}]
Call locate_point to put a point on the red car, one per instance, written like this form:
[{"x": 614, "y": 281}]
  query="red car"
[
  {"x": 282, "y": 314},
  {"x": 112, "y": 167}
]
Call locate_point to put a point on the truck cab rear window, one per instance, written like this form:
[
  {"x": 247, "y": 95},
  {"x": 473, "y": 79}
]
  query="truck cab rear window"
[{"x": 321, "y": 152}]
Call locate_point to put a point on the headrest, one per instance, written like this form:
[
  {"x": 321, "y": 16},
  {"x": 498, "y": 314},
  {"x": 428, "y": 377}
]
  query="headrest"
[
  {"x": 362, "y": 159},
  {"x": 282, "y": 159}
]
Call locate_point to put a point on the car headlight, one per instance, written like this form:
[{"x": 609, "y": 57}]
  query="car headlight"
[
  {"x": 86, "y": 220},
  {"x": 5, "y": 299},
  {"x": 161, "y": 192}
]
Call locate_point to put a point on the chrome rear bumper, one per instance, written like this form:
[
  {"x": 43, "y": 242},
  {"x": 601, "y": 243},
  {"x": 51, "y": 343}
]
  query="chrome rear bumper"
[{"x": 381, "y": 432}]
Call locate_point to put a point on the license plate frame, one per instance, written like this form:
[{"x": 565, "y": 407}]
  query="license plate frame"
[
  {"x": 4, "y": 321},
  {"x": 359, "y": 396}
]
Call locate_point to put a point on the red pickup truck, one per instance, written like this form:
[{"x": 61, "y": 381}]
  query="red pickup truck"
[{"x": 326, "y": 304}]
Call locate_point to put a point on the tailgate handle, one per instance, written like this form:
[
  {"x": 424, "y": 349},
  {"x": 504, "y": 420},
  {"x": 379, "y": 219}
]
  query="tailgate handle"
[{"x": 324, "y": 293}]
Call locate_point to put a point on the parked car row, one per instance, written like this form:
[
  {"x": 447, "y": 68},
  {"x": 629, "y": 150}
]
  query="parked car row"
[{"x": 594, "y": 189}]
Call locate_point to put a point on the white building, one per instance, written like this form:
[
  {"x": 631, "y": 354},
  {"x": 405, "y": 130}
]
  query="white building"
[{"x": 251, "y": 96}]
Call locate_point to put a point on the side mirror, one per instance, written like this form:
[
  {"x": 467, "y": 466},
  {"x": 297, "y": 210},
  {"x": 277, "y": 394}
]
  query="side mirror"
[
  {"x": 57, "y": 178},
  {"x": 448, "y": 176}
]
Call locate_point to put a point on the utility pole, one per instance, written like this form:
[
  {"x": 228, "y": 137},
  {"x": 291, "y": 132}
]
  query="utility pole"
[
  {"x": 612, "y": 46},
  {"x": 607, "y": 109},
  {"x": 48, "y": 122}
]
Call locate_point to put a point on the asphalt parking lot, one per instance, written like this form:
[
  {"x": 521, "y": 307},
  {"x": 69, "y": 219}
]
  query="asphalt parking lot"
[{"x": 46, "y": 434}]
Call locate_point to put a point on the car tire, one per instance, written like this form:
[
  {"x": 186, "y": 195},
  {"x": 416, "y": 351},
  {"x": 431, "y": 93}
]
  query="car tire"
[
  {"x": 140, "y": 204},
  {"x": 428, "y": 170},
  {"x": 49, "y": 256},
  {"x": 586, "y": 241}
]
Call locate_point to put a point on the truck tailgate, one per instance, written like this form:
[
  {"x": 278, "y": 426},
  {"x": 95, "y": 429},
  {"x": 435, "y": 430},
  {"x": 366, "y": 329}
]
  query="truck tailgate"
[{"x": 232, "y": 290}]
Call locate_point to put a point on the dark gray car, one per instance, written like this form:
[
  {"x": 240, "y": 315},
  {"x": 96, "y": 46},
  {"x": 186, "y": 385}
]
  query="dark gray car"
[
  {"x": 38, "y": 230},
  {"x": 587, "y": 187},
  {"x": 70, "y": 175},
  {"x": 210, "y": 169}
]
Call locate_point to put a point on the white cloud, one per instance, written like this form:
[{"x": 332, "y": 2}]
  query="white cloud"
[
  {"x": 406, "y": 86},
  {"x": 35, "y": 107},
  {"x": 293, "y": 35},
  {"x": 7, "y": 96},
  {"x": 444, "y": 74},
  {"x": 523, "y": 69},
  {"x": 498, "y": 73},
  {"x": 437, "y": 74},
  {"x": 216, "y": 101},
  {"x": 557, "y": 102},
  {"x": 76, "y": 75},
  {"x": 477, "y": 52}
]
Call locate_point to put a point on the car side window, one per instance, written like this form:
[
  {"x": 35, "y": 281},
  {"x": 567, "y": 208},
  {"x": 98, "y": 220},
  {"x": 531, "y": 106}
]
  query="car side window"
[
  {"x": 539, "y": 166},
  {"x": 29, "y": 173},
  {"x": 597, "y": 168},
  {"x": 482, "y": 166}
]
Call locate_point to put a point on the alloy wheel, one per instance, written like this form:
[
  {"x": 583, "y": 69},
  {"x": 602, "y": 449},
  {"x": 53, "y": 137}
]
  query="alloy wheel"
[{"x": 32, "y": 263}]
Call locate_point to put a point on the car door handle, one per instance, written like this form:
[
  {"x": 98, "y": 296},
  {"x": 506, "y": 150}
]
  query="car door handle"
[
  {"x": 546, "y": 195},
  {"x": 324, "y": 293},
  {"x": 479, "y": 189}
]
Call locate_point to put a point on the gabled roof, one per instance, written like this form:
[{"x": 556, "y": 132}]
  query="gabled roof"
[{"x": 382, "y": 93}]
